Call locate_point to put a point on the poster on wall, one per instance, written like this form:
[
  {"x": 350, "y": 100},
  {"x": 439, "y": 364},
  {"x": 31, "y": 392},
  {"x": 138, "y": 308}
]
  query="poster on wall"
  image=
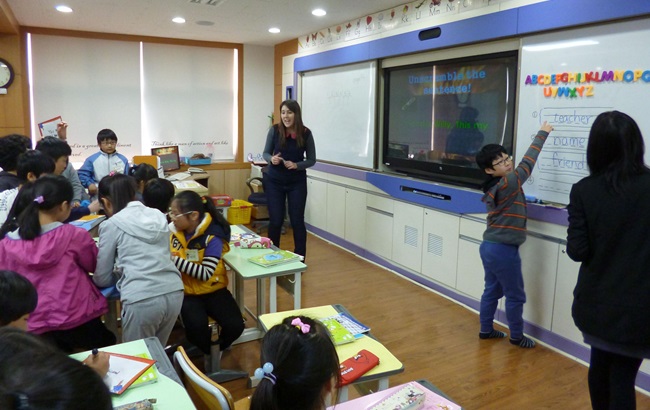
[{"x": 568, "y": 79}]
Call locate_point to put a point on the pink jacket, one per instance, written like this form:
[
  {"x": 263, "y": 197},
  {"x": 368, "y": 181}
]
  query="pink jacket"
[{"x": 57, "y": 263}]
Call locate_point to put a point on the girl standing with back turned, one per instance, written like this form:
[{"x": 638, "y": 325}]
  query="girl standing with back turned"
[
  {"x": 134, "y": 240},
  {"x": 608, "y": 230}
]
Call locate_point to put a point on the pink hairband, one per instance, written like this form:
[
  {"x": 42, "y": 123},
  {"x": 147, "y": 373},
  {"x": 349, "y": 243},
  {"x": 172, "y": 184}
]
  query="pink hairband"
[
  {"x": 39, "y": 199},
  {"x": 304, "y": 327}
]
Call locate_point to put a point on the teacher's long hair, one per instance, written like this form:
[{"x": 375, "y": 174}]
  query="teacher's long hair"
[
  {"x": 616, "y": 149},
  {"x": 297, "y": 123}
]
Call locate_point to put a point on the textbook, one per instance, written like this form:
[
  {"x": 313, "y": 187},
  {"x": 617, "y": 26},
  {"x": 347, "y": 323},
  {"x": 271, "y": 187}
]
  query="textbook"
[
  {"x": 274, "y": 258},
  {"x": 124, "y": 370},
  {"x": 88, "y": 222},
  {"x": 339, "y": 334},
  {"x": 353, "y": 326}
]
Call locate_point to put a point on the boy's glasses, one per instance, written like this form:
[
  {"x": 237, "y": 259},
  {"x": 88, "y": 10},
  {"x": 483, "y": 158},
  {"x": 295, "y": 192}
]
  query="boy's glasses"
[
  {"x": 504, "y": 161},
  {"x": 173, "y": 216},
  {"x": 109, "y": 142}
]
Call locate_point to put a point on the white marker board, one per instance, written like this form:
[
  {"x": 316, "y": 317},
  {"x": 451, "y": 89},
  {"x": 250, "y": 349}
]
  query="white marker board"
[
  {"x": 619, "y": 49},
  {"x": 338, "y": 105}
]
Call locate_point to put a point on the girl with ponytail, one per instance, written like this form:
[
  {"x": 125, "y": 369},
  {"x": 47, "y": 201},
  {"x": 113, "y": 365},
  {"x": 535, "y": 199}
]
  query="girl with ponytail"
[
  {"x": 56, "y": 258},
  {"x": 300, "y": 367}
]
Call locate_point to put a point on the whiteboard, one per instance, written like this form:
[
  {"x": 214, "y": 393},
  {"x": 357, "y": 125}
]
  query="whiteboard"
[
  {"x": 621, "y": 49},
  {"x": 338, "y": 105}
]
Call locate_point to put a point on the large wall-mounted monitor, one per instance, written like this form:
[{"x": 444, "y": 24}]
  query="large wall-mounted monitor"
[
  {"x": 437, "y": 115},
  {"x": 169, "y": 157}
]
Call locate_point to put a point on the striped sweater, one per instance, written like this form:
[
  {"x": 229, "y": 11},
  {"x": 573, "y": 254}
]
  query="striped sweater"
[{"x": 505, "y": 201}]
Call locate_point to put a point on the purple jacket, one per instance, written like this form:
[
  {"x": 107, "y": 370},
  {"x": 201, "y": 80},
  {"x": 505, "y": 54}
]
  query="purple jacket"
[{"x": 57, "y": 263}]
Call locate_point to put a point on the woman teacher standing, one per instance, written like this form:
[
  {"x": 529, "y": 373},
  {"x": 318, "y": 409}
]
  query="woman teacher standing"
[
  {"x": 289, "y": 150},
  {"x": 608, "y": 231}
]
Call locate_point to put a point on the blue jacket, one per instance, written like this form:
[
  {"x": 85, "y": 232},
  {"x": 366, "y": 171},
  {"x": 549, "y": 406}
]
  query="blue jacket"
[{"x": 100, "y": 164}]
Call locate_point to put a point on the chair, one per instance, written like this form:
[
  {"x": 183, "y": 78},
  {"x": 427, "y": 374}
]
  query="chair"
[
  {"x": 205, "y": 393},
  {"x": 258, "y": 199}
]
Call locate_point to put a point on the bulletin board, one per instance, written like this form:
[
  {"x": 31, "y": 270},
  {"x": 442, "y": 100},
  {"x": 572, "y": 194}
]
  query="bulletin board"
[
  {"x": 339, "y": 106},
  {"x": 569, "y": 78}
]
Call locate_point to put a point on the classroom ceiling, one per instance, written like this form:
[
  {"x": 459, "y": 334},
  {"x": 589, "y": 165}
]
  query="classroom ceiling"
[{"x": 233, "y": 21}]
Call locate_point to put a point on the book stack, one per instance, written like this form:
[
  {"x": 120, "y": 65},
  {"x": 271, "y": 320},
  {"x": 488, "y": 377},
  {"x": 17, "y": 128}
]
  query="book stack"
[{"x": 274, "y": 258}]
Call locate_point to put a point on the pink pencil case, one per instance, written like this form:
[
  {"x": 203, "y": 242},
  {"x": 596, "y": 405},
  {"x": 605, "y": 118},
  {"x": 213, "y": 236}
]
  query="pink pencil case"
[{"x": 253, "y": 243}]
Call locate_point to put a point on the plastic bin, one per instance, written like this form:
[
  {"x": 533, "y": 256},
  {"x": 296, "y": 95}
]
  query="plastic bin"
[
  {"x": 239, "y": 212},
  {"x": 221, "y": 200}
]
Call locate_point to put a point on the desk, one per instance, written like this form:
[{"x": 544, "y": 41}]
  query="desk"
[
  {"x": 168, "y": 390},
  {"x": 388, "y": 364},
  {"x": 435, "y": 398},
  {"x": 237, "y": 261}
]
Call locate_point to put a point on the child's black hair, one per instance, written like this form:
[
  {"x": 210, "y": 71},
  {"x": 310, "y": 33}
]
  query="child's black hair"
[
  {"x": 189, "y": 201},
  {"x": 106, "y": 134},
  {"x": 119, "y": 189},
  {"x": 485, "y": 158},
  {"x": 44, "y": 194},
  {"x": 36, "y": 162},
  {"x": 303, "y": 363},
  {"x": 158, "y": 194},
  {"x": 23, "y": 199},
  {"x": 18, "y": 297},
  {"x": 36, "y": 376},
  {"x": 11, "y": 146},
  {"x": 143, "y": 172},
  {"x": 54, "y": 148}
]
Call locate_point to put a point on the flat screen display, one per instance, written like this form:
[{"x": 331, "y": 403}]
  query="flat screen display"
[
  {"x": 169, "y": 157},
  {"x": 438, "y": 115}
]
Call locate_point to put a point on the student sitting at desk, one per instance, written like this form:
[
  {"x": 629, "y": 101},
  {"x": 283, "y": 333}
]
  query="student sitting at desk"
[
  {"x": 133, "y": 240},
  {"x": 56, "y": 258},
  {"x": 300, "y": 367},
  {"x": 158, "y": 194},
  {"x": 200, "y": 237},
  {"x": 35, "y": 376},
  {"x": 142, "y": 174},
  {"x": 11, "y": 146},
  {"x": 31, "y": 165}
]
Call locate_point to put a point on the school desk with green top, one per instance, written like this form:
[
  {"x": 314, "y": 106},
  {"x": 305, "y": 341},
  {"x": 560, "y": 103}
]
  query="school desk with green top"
[
  {"x": 168, "y": 390},
  {"x": 237, "y": 261},
  {"x": 388, "y": 366}
]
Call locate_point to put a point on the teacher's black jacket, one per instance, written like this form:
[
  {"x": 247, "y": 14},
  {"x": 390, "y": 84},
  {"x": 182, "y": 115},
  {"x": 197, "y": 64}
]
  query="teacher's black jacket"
[{"x": 610, "y": 234}]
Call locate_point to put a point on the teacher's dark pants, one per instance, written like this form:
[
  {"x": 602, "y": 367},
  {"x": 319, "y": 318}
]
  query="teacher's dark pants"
[{"x": 278, "y": 194}]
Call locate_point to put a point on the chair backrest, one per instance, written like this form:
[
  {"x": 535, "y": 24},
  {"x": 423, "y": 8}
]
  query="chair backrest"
[{"x": 204, "y": 392}]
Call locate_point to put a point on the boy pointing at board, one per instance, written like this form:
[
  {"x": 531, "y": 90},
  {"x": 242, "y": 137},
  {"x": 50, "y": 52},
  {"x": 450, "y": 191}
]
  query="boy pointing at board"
[{"x": 506, "y": 230}]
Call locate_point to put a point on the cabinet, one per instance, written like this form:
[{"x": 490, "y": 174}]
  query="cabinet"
[
  {"x": 440, "y": 246},
  {"x": 355, "y": 216},
  {"x": 316, "y": 209},
  {"x": 567, "y": 277},
  {"x": 379, "y": 225},
  {"x": 407, "y": 235},
  {"x": 335, "y": 210},
  {"x": 539, "y": 265}
]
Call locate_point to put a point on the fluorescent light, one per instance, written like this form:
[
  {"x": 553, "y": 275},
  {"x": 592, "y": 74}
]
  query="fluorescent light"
[
  {"x": 318, "y": 12},
  {"x": 561, "y": 44},
  {"x": 63, "y": 9},
  {"x": 274, "y": 30},
  {"x": 179, "y": 20}
]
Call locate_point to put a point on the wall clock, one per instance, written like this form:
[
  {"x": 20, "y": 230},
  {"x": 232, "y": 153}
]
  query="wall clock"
[{"x": 6, "y": 74}]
